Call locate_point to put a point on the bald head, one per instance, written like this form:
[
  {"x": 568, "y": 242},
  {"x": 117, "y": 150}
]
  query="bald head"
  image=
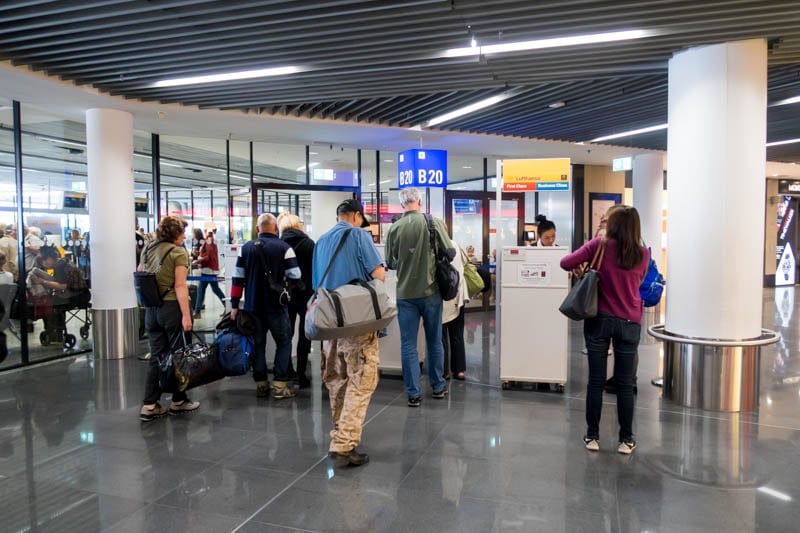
[{"x": 267, "y": 223}]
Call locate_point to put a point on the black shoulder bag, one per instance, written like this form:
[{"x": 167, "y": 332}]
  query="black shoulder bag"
[
  {"x": 447, "y": 277},
  {"x": 145, "y": 283},
  {"x": 284, "y": 296}
]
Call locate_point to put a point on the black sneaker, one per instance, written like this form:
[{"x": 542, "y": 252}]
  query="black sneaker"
[
  {"x": 441, "y": 394},
  {"x": 351, "y": 458},
  {"x": 414, "y": 402}
]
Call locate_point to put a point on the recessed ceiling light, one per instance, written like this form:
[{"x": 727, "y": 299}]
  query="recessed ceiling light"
[
  {"x": 539, "y": 44},
  {"x": 556, "y": 105},
  {"x": 388, "y": 160},
  {"x": 466, "y": 167},
  {"x": 630, "y": 133},
  {"x": 228, "y": 76},
  {"x": 792, "y": 100},
  {"x": 466, "y": 110},
  {"x": 787, "y": 141}
]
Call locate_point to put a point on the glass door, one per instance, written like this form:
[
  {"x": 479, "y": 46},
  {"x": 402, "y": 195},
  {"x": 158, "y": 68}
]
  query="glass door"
[{"x": 472, "y": 219}]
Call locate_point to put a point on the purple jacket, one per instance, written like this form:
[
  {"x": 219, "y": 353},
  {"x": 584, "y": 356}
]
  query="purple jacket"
[{"x": 618, "y": 290}]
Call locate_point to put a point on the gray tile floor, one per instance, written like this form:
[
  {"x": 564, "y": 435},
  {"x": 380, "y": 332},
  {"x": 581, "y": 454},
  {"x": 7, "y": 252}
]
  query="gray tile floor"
[{"x": 74, "y": 457}]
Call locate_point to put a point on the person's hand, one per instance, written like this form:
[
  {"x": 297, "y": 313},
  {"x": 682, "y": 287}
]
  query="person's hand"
[
  {"x": 186, "y": 322},
  {"x": 234, "y": 312},
  {"x": 36, "y": 280}
]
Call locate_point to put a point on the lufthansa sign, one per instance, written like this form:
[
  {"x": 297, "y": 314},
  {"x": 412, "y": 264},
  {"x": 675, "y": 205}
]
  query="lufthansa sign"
[
  {"x": 422, "y": 168},
  {"x": 788, "y": 187}
]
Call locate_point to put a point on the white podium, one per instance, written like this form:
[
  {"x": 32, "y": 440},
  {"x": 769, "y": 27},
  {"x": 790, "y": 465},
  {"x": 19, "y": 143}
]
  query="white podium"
[{"x": 533, "y": 333}]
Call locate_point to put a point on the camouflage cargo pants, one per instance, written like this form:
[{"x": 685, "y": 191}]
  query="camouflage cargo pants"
[{"x": 350, "y": 372}]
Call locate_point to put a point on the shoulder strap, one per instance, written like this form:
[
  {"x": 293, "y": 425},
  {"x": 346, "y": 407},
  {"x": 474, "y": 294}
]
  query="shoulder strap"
[
  {"x": 163, "y": 258},
  {"x": 333, "y": 257},
  {"x": 597, "y": 260},
  {"x": 273, "y": 284},
  {"x": 431, "y": 233}
]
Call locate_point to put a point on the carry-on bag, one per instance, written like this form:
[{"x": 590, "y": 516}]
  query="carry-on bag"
[
  {"x": 194, "y": 363},
  {"x": 447, "y": 278},
  {"x": 234, "y": 351},
  {"x": 581, "y": 302},
  {"x": 355, "y": 308},
  {"x": 652, "y": 286},
  {"x": 145, "y": 284}
]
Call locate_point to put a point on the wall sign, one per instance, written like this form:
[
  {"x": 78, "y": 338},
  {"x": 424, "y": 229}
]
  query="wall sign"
[
  {"x": 422, "y": 168},
  {"x": 536, "y": 174},
  {"x": 788, "y": 187}
]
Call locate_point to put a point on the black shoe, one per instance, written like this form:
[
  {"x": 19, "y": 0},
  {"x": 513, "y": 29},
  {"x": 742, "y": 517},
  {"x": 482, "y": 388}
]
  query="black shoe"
[
  {"x": 303, "y": 382},
  {"x": 414, "y": 402},
  {"x": 441, "y": 394},
  {"x": 610, "y": 386},
  {"x": 351, "y": 458}
]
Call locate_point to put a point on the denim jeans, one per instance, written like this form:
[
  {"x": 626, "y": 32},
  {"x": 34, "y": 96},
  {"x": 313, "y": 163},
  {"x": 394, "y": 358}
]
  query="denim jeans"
[
  {"x": 201, "y": 294},
  {"x": 277, "y": 323},
  {"x": 599, "y": 332},
  {"x": 409, "y": 311}
]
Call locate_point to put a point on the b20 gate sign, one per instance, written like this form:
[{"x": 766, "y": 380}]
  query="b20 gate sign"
[{"x": 422, "y": 168}]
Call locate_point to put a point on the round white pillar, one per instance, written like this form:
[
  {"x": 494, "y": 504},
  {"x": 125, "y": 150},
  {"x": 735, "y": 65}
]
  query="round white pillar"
[
  {"x": 109, "y": 151},
  {"x": 648, "y": 185},
  {"x": 716, "y": 149}
]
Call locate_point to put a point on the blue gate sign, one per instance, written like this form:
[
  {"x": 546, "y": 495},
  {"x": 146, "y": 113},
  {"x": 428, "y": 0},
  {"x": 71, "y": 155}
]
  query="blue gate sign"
[{"x": 422, "y": 168}]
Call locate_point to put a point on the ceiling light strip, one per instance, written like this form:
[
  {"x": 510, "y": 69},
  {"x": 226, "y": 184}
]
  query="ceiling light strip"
[
  {"x": 228, "y": 76},
  {"x": 538, "y": 44}
]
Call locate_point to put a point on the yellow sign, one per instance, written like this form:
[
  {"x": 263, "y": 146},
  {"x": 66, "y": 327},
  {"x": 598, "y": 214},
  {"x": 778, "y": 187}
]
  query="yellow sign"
[{"x": 521, "y": 175}]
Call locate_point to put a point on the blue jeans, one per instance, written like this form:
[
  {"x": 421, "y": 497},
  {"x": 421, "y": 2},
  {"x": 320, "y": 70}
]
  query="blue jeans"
[
  {"x": 277, "y": 323},
  {"x": 409, "y": 311},
  {"x": 201, "y": 294},
  {"x": 599, "y": 332}
]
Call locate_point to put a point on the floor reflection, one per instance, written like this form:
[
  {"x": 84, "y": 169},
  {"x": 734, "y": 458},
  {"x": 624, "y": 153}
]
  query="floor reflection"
[{"x": 74, "y": 457}]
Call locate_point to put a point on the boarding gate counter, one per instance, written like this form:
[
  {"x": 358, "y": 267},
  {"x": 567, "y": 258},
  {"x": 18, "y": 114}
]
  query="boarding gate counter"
[{"x": 533, "y": 333}]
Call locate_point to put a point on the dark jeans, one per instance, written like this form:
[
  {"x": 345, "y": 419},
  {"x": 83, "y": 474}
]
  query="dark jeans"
[
  {"x": 163, "y": 328},
  {"x": 455, "y": 354},
  {"x": 201, "y": 294},
  {"x": 599, "y": 332},
  {"x": 303, "y": 344},
  {"x": 277, "y": 323}
]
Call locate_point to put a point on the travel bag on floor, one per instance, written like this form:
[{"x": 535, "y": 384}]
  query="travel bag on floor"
[{"x": 234, "y": 351}]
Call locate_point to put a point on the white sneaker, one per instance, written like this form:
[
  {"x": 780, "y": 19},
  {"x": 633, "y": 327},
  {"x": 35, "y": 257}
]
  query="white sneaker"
[
  {"x": 593, "y": 445},
  {"x": 627, "y": 447},
  {"x": 183, "y": 407}
]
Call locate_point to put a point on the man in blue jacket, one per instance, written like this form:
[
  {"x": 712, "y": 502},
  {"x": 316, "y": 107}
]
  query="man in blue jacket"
[
  {"x": 260, "y": 274},
  {"x": 349, "y": 365}
]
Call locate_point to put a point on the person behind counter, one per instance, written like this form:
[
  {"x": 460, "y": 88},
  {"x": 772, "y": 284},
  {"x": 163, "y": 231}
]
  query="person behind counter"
[{"x": 546, "y": 231}]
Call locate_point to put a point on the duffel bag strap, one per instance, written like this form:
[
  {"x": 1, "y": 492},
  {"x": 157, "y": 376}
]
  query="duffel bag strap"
[
  {"x": 374, "y": 295},
  {"x": 333, "y": 257}
]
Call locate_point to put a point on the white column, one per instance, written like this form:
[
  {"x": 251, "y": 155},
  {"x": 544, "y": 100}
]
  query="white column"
[
  {"x": 717, "y": 135},
  {"x": 109, "y": 145},
  {"x": 648, "y": 185},
  {"x": 323, "y": 211}
]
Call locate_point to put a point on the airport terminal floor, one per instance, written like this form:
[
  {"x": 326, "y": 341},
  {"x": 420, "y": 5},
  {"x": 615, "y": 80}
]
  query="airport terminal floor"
[{"x": 74, "y": 456}]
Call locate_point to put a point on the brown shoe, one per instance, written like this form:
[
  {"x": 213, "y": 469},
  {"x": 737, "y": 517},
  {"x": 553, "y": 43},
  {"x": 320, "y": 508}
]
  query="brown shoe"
[
  {"x": 281, "y": 391},
  {"x": 262, "y": 389}
]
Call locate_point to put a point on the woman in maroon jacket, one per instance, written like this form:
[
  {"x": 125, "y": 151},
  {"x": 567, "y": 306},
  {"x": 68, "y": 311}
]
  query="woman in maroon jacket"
[
  {"x": 618, "y": 321},
  {"x": 208, "y": 261}
]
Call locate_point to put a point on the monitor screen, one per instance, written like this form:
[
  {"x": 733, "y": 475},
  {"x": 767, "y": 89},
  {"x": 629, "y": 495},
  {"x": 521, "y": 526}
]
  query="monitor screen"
[
  {"x": 141, "y": 205},
  {"x": 74, "y": 200}
]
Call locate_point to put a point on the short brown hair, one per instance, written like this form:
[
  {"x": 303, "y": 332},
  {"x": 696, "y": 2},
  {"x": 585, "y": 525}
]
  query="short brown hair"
[{"x": 170, "y": 228}]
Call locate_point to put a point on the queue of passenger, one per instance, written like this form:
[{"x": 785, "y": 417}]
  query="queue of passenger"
[{"x": 271, "y": 268}]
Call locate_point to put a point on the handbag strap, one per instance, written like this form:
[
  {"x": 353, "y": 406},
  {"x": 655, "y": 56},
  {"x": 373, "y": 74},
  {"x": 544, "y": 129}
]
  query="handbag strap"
[
  {"x": 335, "y": 253},
  {"x": 597, "y": 260}
]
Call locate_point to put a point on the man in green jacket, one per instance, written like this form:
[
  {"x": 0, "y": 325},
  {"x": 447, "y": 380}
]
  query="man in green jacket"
[{"x": 408, "y": 251}]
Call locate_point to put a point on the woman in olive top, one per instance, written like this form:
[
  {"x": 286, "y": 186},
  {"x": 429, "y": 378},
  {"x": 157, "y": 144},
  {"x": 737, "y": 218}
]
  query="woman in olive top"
[{"x": 164, "y": 324}]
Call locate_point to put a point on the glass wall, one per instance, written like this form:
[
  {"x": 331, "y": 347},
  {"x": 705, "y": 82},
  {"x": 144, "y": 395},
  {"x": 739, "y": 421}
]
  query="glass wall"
[{"x": 10, "y": 350}]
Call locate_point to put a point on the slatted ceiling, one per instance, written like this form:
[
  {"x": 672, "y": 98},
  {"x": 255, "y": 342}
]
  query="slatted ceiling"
[{"x": 379, "y": 62}]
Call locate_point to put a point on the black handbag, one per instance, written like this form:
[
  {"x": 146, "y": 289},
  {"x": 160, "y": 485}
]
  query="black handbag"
[
  {"x": 581, "y": 302},
  {"x": 447, "y": 277},
  {"x": 193, "y": 363}
]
